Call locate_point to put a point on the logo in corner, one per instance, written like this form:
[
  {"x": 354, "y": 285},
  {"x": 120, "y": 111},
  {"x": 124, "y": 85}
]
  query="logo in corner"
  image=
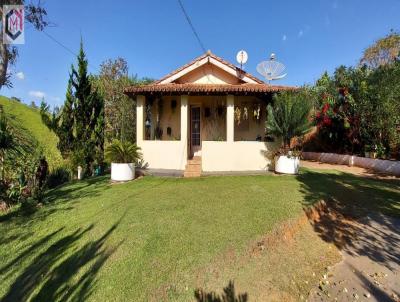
[{"x": 13, "y": 24}]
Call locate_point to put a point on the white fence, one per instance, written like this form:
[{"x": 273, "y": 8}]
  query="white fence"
[{"x": 379, "y": 165}]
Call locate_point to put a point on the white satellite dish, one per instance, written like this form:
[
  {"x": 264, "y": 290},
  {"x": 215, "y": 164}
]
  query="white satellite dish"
[
  {"x": 242, "y": 57},
  {"x": 271, "y": 69}
]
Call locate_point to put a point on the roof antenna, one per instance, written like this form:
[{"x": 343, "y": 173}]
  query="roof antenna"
[
  {"x": 271, "y": 69},
  {"x": 242, "y": 57}
]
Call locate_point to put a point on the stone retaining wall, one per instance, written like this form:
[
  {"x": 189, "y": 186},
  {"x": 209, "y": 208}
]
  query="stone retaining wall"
[{"x": 391, "y": 167}]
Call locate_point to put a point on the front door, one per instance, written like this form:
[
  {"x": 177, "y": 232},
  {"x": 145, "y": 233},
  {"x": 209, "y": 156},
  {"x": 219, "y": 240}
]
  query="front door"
[{"x": 195, "y": 134}]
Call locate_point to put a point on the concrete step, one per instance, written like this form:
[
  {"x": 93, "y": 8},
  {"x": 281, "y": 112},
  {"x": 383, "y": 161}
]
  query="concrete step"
[
  {"x": 195, "y": 159},
  {"x": 191, "y": 174},
  {"x": 193, "y": 168}
]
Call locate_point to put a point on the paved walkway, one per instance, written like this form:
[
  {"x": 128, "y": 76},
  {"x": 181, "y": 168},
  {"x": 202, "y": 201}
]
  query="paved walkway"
[{"x": 370, "y": 269}]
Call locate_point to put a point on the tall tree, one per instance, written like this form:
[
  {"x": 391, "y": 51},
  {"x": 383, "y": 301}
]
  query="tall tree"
[
  {"x": 120, "y": 121},
  {"x": 80, "y": 123},
  {"x": 36, "y": 15},
  {"x": 384, "y": 51}
]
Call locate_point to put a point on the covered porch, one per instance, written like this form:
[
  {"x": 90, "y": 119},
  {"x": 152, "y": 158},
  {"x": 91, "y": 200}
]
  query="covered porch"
[{"x": 218, "y": 128}]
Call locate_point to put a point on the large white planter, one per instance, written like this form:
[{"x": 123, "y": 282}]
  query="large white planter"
[
  {"x": 287, "y": 165},
  {"x": 122, "y": 172}
]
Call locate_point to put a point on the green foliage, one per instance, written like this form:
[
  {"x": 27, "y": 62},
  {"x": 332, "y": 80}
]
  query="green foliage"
[
  {"x": 384, "y": 51},
  {"x": 80, "y": 123},
  {"x": 358, "y": 109},
  {"x": 288, "y": 116},
  {"x": 27, "y": 124},
  {"x": 120, "y": 110},
  {"x": 122, "y": 152},
  {"x": 58, "y": 176}
]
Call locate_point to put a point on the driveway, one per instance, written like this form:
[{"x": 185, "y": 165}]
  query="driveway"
[{"x": 370, "y": 246}]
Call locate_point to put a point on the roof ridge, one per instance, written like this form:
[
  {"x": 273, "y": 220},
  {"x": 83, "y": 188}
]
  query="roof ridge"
[{"x": 208, "y": 53}]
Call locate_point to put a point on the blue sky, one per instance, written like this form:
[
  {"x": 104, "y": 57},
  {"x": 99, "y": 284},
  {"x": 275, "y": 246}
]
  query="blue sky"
[{"x": 309, "y": 37}]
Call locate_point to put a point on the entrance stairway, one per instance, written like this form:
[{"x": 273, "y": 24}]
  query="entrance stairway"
[{"x": 193, "y": 167}]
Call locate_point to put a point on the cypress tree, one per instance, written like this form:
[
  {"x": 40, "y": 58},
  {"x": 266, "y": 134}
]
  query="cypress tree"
[{"x": 80, "y": 124}]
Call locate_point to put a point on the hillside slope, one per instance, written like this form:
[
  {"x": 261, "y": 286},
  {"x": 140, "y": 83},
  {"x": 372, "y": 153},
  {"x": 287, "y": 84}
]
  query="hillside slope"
[{"x": 29, "y": 120}]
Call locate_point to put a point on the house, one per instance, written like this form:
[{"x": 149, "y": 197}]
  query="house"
[{"x": 206, "y": 116}]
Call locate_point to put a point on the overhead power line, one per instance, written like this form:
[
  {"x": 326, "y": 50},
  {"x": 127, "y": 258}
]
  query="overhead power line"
[
  {"x": 65, "y": 47},
  {"x": 192, "y": 26}
]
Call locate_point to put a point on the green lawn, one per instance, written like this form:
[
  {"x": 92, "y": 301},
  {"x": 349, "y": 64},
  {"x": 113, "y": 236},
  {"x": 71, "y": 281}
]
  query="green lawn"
[
  {"x": 28, "y": 119},
  {"x": 157, "y": 239}
]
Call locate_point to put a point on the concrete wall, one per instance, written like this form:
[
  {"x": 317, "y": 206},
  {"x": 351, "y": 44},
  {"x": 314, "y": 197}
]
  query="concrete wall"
[
  {"x": 378, "y": 165},
  {"x": 164, "y": 154},
  {"x": 235, "y": 156}
]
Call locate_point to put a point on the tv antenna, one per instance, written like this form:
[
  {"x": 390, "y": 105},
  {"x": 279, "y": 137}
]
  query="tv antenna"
[
  {"x": 271, "y": 69},
  {"x": 242, "y": 57}
]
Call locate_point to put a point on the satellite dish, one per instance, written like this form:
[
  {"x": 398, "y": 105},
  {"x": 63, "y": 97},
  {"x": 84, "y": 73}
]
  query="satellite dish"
[
  {"x": 242, "y": 57},
  {"x": 271, "y": 69}
]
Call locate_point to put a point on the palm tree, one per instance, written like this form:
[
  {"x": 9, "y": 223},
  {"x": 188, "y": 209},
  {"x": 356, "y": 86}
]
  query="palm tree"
[
  {"x": 288, "y": 117},
  {"x": 122, "y": 152}
]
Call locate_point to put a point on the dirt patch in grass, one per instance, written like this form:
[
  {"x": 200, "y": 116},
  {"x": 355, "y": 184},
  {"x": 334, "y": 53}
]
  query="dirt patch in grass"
[{"x": 283, "y": 265}]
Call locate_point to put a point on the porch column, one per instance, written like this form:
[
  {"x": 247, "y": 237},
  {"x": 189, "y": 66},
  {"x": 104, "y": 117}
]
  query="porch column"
[
  {"x": 184, "y": 128},
  {"x": 230, "y": 118},
  {"x": 140, "y": 104}
]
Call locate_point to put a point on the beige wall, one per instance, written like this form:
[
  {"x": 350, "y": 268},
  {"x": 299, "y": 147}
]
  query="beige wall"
[
  {"x": 169, "y": 118},
  {"x": 248, "y": 129},
  {"x": 164, "y": 154},
  {"x": 213, "y": 127},
  {"x": 235, "y": 156},
  {"x": 208, "y": 74}
]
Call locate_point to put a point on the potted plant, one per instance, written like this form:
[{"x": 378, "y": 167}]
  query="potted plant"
[
  {"x": 288, "y": 118},
  {"x": 123, "y": 156}
]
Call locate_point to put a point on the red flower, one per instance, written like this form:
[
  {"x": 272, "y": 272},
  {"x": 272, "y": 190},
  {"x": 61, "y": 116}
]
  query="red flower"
[
  {"x": 325, "y": 108},
  {"x": 327, "y": 121}
]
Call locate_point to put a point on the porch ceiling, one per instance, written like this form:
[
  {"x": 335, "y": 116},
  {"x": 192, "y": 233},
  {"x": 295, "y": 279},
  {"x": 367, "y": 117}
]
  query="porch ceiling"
[{"x": 210, "y": 89}]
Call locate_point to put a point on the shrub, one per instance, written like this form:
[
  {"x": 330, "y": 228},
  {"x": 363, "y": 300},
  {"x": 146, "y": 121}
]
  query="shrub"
[
  {"x": 58, "y": 177},
  {"x": 288, "y": 117},
  {"x": 122, "y": 152}
]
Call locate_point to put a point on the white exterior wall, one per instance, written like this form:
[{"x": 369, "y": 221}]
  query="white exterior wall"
[
  {"x": 379, "y": 165},
  {"x": 164, "y": 154},
  {"x": 235, "y": 156}
]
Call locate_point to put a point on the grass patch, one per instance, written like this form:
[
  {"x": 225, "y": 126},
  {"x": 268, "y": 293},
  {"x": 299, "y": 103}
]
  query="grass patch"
[
  {"x": 28, "y": 119},
  {"x": 157, "y": 238}
]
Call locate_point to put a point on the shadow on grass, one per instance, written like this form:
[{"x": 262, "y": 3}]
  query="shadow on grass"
[
  {"x": 228, "y": 295},
  {"x": 54, "y": 198},
  {"x": 353, "y": 217},
  {"x": 52, "y": 275}
]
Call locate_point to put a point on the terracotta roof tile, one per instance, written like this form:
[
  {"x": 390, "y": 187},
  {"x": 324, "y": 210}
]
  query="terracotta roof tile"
[
  {"x": 210, "y": 54},
  {"x": 205, "y": 88}
]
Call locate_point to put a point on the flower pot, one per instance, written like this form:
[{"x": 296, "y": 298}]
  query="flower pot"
[
  {"x": 122, "y": 172},
  {"x": 287, "y": 164}
]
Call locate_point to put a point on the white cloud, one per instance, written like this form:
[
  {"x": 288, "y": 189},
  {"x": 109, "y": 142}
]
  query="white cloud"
[
  {"x": 284, "y": 38},
  {"x": 20, "y": 75},
  {"x": 300, "y": 34},
  {"x": 37, "y": 94}
]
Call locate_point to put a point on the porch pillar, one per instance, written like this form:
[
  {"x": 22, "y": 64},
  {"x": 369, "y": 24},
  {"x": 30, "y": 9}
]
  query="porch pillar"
[
  {"x": 184, "y": 127},
  {"x": 230, "y": 118},
  {"x": 140, "y": 104}
]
